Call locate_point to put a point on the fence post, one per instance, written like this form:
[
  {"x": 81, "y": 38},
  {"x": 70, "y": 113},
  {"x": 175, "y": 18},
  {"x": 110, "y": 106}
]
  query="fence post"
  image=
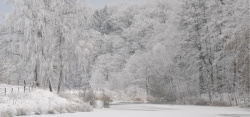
[
  {"x": 11, "y": 90},
  {"x": 5, "y": 91},
  {"x": 18, "y": 89},
  {"x": 24, "y": 85},
  {"x": 24, "y": 82}
]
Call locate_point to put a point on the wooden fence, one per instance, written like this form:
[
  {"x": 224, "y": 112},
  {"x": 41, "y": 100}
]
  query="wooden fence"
[{"x": 12, "y": 87}]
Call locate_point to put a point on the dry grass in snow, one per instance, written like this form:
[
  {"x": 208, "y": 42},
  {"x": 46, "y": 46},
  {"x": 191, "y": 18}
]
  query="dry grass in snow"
[{"x": 39, "y": 102}]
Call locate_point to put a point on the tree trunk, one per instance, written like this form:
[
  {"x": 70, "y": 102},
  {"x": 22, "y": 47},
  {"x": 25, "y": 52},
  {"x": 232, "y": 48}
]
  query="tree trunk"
[
  {"x": 60, "y": 82},
  {"x": 50, "y": 87},
  {"x": 147, "y": 82},
  {"x": 36, "y": 76},
  {"x": 61, "y": 66}
]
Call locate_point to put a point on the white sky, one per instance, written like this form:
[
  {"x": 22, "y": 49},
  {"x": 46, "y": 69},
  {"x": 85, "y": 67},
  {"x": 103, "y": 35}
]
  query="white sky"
[{"x": 4, "y": 8}]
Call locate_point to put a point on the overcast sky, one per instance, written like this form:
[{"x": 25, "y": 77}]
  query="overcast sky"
[
  {"x": 94, "y": 3},
  {"x": 4, "y": 8}
]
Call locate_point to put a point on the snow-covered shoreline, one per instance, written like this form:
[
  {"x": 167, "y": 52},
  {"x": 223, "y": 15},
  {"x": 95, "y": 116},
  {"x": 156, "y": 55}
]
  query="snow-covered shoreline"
[{"x": 155, "y": 110}]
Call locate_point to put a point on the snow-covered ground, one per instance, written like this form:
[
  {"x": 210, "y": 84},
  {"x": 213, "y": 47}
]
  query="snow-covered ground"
[
  {"x": 154, "y": 110},
  {"x": 117, "y": 109},
  {"x": 39, "y": 101}
]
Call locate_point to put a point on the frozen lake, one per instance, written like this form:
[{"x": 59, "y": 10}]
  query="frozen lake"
[{"x": 154, "y": 110}]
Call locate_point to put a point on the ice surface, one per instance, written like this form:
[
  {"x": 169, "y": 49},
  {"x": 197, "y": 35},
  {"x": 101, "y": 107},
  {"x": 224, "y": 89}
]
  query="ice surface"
[{"x": 154, "y": 110}]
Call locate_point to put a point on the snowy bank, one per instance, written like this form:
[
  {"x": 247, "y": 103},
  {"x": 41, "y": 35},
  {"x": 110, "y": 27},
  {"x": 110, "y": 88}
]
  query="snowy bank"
[{"x": 39, "y": 102}]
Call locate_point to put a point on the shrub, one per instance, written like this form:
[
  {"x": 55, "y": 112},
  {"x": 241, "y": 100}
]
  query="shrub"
[
  {"x": 43, "y": 102},
  {"x": 84, "y": 108},
  {"x": 38, "y": 112},
  {"x": 81, "y": 107},
  {"x": 201, "y": 102},
  {"x": 137, "y": 99},
  {"x": 22, "y": 111},
  {"x": 197, "y": 101},
  {"x": 162, "y": 92},
  {"x": 51, "y": 112},
  {"x": 106, "y": 100},
  {"x": 9, "y": 112},
  {"x": 66, "y": 95},
  {"x": 59, "y": 109},
  {"x": 245, "y": 105},
  {"x": 219, "y": 103},
  {"x": 88, "y": 96}
]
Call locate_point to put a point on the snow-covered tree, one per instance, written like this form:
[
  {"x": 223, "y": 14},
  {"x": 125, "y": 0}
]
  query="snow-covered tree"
[{"x": 43, "y": 37}]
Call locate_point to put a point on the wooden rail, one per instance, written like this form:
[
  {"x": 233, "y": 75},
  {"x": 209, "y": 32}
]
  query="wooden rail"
[{"x": 12, "y": 87}]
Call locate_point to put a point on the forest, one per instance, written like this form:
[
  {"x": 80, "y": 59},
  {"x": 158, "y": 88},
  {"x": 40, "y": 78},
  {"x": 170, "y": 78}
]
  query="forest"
[{"x": 159, "y": 51}]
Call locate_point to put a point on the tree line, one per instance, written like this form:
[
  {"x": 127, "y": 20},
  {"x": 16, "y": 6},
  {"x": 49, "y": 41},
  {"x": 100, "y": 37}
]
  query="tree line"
[{"x": 168, "y": 51}]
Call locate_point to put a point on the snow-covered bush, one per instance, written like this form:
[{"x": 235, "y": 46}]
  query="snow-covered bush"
[
  {"x": 247, "y": 105},
  {"x": 197, "y": 101},
  {"x": 103, "y": 98},
  {"x": 51, "y": 112},
  {"x": 220, "y": 103},
  {"x": 7, "y": 112},
  {"x": 22, "y": 111},
  {"x": 136, "y": 94},
  {"x": 162, "y": 93},
  {"x": 106, "y": 99},
  {"x": 88, "y": 96},
  {"x": 40, "y": 102}
]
